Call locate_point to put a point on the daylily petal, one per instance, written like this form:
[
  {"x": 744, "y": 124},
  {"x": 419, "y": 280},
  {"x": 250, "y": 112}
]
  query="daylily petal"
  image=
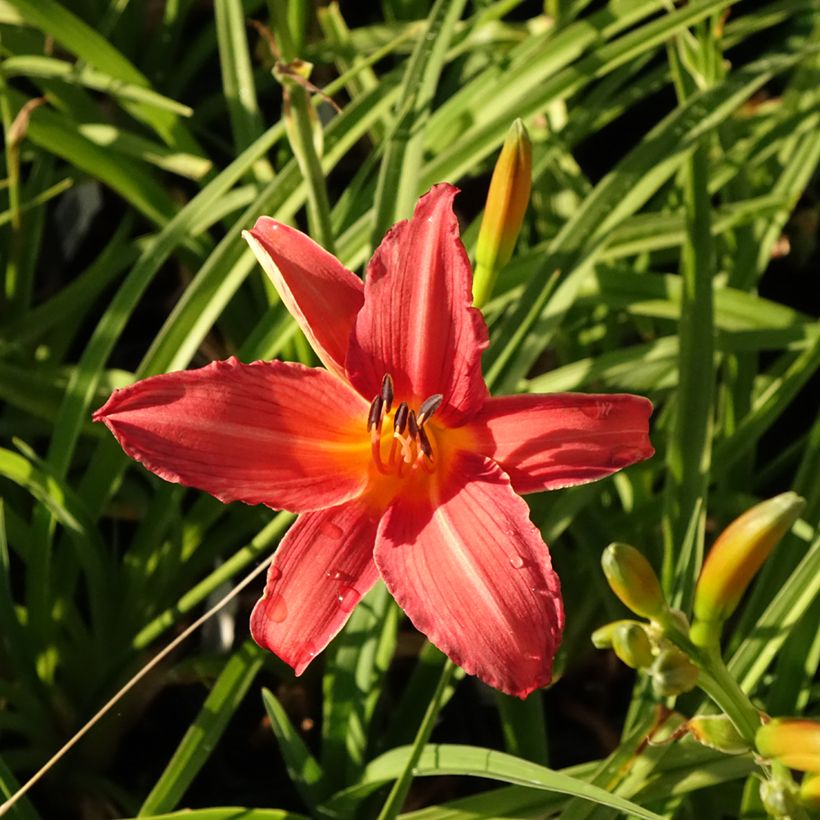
[
  {"x": 321, "y": 294},
  {"x": 322, "y": 568},
  {"x": 473, "y": 574},
  {"x": 418, "y": 323},
  {"x": 285, "y": 435},
  {"x": 545, "y": 442}
]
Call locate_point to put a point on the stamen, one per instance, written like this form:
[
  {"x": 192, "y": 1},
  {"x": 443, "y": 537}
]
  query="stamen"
[
  {"x": 412, "y": 425},
  {"x": 386, "y": 393},
  {"x": 376, "y": 451},
  {"x": 400, "y": 420},
  {"x": 424, "y": 444},
  {"x": 374, "y": 417},
  {"x": 428, "y": 407}
]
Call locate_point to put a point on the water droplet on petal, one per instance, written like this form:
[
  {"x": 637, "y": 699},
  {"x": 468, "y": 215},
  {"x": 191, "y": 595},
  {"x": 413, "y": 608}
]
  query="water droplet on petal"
[
  {"x": 348, "y": 598},
  {"x": 333, "y": 574},
  {"x": 310, "y": 649},
  {"x": 543, "y": 591},
  {"x": 516, "y": 561},
  {"x": 277, "y": 609},
  {"x": 274, "y": 573},
  {"x": 331, "y": 530},
  {"x": 532, "y": 657}
]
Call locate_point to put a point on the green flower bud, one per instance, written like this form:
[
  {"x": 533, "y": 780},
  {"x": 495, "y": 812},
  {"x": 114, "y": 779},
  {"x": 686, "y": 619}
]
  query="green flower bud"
[
  {"x": 602, "y": 637},
  {"x": 717, "y": 732},
  {"x": 778, "y": 799},
  {"x": 632, "y": 645},
  {"x": 672, "y": 673},
  {"x": 633, "y": 580}
]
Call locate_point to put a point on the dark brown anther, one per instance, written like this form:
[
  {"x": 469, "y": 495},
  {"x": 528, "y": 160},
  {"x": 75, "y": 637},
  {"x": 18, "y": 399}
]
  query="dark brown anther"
[
  {"x": 412, "y": 424},
  {"x": 400, "y": 421},
  {"x": 387, "y": 392},
  {"x": 424, "y": 444},
  {"x": 375, "y": 413},
  {"x": 428, "y": 407}
]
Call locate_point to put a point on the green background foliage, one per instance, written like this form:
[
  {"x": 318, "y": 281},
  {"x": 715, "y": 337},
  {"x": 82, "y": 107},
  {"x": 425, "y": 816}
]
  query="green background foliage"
[{"x": 667, "y": 251}]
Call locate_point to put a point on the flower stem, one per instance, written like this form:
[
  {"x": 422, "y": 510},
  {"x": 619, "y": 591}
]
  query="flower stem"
[
  {"x": 398, "y": 793},
  {"x": 300, "y": 121},
  {"x": 724, "y": 690},
  {"x": 716, "y": 681}
]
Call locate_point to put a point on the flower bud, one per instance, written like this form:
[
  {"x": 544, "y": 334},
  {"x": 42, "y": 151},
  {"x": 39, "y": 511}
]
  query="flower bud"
[
  {"x": 795, "y": 742},
  {"x": 810, "y": 792},
  {"x": 602, "y": 637},
  {"x": 778, "y": 799},
  {"x": 632, "y": 645},
  {"x": 507, "y": 201},
  {"x": 633, "y": 580},
  {"x": 672, "y": 673},
  {"x": 717, "y": 732},
  {"x": 735, "y": 557}
]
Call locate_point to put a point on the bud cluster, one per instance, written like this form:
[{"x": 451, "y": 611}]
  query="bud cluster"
[
  {"x": 678, "y": 657},
  {"x": 639, "y": 645}
]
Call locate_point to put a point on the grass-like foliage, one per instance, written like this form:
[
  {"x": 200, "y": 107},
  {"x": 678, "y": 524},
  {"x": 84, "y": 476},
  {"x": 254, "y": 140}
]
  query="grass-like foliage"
[{"x": 668, "y": 249}]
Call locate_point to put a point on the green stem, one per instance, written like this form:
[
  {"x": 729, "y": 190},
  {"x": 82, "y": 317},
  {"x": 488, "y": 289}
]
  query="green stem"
[
  {"x": 299, "y": 126},
  {"x": 724, "y": 690},
  {"x": 716, "y": 681},
  {"x": 398, "y": 793}
]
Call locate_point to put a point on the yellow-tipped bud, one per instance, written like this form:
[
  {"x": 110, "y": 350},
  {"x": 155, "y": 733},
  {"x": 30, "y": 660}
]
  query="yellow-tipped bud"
[
  {"x": 632, "y": 645},
  {"x": 602, "y": 637},
  {"x": 735, "y": 557},
  {"x": 504, "y": 212},
  {"x": 673, "y": 673},
  {"x": 717, "y": 732},
  {"x": 795, "y": 742},
  {"x": 810, "y": 792},
  {"x": 633, "y": 580}
]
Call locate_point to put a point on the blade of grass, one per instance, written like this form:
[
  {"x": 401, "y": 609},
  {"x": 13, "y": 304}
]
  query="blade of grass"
[
  {"x": 304, "y": 132},
  {"x": 79, "y": 38},
  {"x": 33, "y": 65},
  {"x": 398, "y": 793},
  {"x": 303, "y": 769},
  {"x": 397, "y": 186},
  {"x": 351, "y": 682},
  {"x": 689, "y": 449},
  {"x": 205, "y": 731},
  {"x": 753, "y": 657},
  {"x": 23, "y": 809},
  {"x": 237, "y": 81},
  {"x": 442, "y": 759}
]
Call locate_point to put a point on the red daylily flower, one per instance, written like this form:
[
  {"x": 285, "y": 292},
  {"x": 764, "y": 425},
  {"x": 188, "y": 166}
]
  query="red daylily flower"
[{"x": 397, "y": 459}]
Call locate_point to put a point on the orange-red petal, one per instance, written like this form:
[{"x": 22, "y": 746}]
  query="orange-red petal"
[
  {"x": 321, "y": 294},
  {"x": 545, "y": 442},
  {"x": 285, "y": 435},
  {"x": 474, "y": 575},
  {"x": 418, "y": 323},
  {"x": 322, "y": 568}
]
